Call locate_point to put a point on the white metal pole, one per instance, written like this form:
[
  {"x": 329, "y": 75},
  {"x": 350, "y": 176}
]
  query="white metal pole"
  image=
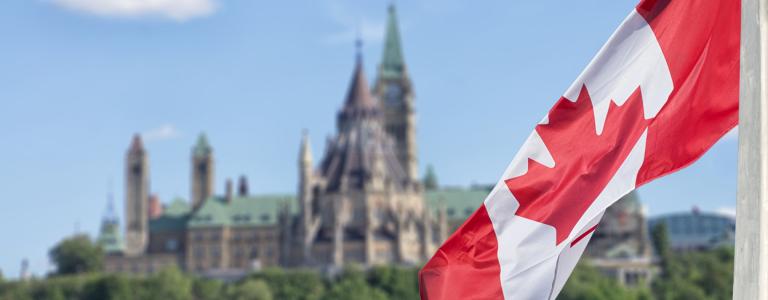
[{"x": 751, "y": 265}]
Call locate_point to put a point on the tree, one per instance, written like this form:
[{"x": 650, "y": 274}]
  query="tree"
[
  {"x": 168, "y": 284},
  {"x": 398, "y": 283},
  {"x": 206, "y": 289},
  {"x": 691, "y": 275},
  {"x": 77, "y": 254},
  {"x": 292, "y": 285},
  {"x": 48, "y": 292},
  {"x": 587, "y": 283},
  {"x": 430, "y": 179},
  {"x": 660, "y": 237},
  {"x": 16, "y": 291},
  {"x": 254, "y": 289},
  {"x": 110, "y": 287},
  {"x": 351, "y": 285}
]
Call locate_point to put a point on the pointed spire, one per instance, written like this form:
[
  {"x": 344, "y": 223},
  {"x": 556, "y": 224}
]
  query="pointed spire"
[
  {"x": 110, "y": 216},
  {"x": 305, "y": 155},
  {"x": 359, "y": 95},
  {"x": 110, "y": 201},
  {"x": 392, "y": 61},
  {"x": 430, "y": 179},
  {"x": 202, "y": 148}
]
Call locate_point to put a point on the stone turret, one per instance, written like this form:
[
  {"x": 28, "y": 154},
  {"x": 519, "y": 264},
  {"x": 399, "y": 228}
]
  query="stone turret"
[
  {"x": 308, "y": 223},
  {"x": 202, "y": 176},
  {"x": 136, "y": 198}
]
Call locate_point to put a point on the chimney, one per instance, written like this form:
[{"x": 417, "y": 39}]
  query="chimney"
[
  {"x": 155, "y": 207},
  {"x": 228, "y": 190},
  {"x": 242, "y": 186}
]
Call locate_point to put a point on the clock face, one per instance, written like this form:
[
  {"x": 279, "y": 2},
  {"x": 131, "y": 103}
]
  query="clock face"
[{"x": 393, "y": 94}]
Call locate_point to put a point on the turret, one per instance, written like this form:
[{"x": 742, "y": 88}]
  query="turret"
[
  {"x": 228, "y": 191},
  {"x": 360, "y": 105},
  {"x": 242, "y": 186},
  {"x": 306, "y": 182},
  {"x": 136, "y": 198},
  {"x": 109, "y": 234},
  {"x": 395, "y": 91},
  {"x": 202, "y": 171}
]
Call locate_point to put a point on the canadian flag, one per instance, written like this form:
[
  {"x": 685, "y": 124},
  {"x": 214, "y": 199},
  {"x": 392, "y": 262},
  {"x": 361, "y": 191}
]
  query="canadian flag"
[{"x": 661, "y": 91}]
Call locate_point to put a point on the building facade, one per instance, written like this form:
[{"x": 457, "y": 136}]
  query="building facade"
[
  {"x": 621, "y": 247},
  {"x": 697, "y": 230},
  {"x": 362, "y": 202}
]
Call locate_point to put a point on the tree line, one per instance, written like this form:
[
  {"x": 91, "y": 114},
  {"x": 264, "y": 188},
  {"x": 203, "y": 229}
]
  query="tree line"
[{"x": 706, "y": 275}]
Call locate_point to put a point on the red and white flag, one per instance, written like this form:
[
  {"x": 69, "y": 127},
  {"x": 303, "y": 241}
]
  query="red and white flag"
[{"x": 661, "y": 91}]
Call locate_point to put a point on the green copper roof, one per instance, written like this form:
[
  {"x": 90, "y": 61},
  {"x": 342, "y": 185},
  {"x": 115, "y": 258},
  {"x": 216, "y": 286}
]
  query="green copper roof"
[
  {"x": 175, "y": 216},
  {"x": 260, "y": 210},
  {"x": 202, "y": 147},
  {"x": 459, "y": 203},
  {"x": 109, "y": 237},
  {"x": 177, "y": 207},
  {"x": 392, "y": 62},
  {"x": 263, "y": 210}
]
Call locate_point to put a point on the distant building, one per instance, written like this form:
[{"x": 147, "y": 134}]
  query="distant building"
[
  {"x": 363, "y": 203},
  {"x": 696, "y": 230},
  {"x": 621, "y": 247}
]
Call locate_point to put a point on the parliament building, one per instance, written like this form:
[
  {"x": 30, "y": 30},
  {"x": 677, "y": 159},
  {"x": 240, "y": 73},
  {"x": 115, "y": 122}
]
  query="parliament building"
[{"x": 362, "y": 202}]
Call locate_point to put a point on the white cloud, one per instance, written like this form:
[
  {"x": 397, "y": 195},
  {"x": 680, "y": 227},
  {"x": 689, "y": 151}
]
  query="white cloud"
[
  {"x": 727, "y": 211},
  {"x": 179, "y": 10},
  {"x": 353, "y": 24},
  {"x": 165, "y": 132}
]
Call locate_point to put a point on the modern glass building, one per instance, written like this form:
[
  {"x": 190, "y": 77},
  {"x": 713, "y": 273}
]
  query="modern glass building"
[{"x": 696, "y": 230}]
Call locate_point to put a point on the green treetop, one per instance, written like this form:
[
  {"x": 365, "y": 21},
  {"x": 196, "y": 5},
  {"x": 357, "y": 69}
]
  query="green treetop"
[{"x": 430, "y": 179}]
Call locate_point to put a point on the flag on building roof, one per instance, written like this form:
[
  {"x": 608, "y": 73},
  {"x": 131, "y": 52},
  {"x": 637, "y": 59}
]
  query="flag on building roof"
[{"x": 661, "y": 91}]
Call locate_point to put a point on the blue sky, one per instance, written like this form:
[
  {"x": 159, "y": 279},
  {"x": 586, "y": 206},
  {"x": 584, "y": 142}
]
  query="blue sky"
[{"x": 79, "y": 77}]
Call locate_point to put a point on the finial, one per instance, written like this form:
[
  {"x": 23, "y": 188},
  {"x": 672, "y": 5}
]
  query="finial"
[
  {"x": 110, "y": 213},
  {"x": 359, "y": 44}
]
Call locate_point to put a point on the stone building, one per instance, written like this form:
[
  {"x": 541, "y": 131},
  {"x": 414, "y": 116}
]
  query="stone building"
[
  {"x": 361, "y": 205},
  {"x": 621, "y": 246},
  {"x": 136, "y": 198},
  {"x": 697, "y": 230},
  {"x": 362, "y": 202}
]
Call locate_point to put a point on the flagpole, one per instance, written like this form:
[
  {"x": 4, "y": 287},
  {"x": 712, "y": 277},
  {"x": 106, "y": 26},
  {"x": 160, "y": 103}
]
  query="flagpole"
[{"x": 751, "y": 262}]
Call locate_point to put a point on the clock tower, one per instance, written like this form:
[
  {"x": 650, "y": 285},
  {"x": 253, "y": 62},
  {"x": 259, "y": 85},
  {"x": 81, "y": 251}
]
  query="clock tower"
[{"x": 394, "y": 89}]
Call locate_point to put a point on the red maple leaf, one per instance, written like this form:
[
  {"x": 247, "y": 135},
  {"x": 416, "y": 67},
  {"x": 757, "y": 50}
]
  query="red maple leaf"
[{"x": 584, "y": 161}]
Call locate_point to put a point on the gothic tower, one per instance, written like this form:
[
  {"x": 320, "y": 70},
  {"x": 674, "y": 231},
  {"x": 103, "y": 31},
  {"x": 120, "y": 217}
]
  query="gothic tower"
[
  {"x": 308, "y": 221},
  {"x": 202, "y": 171},
  {"x": 394, "y": 89},
  {"x": 136, "y": 198}
]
